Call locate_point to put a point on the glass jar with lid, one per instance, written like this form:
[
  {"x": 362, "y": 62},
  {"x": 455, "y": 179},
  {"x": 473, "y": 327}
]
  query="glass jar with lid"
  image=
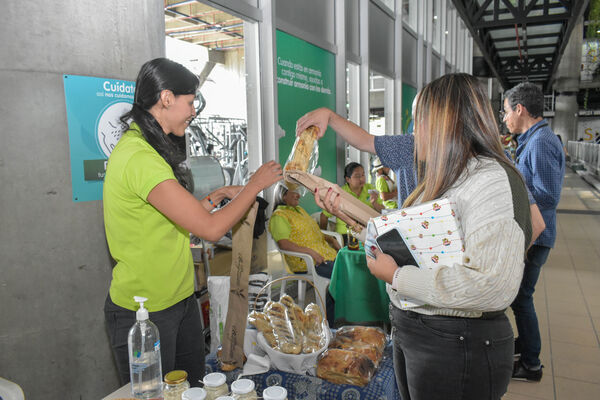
[
  {"x": 243, "y": 389},
  {"x": 215, "y": 385},
  {"x": 175, "y": 384},
  {"x": 194, "y": 394},
  {"x": 275, "y": 393}
]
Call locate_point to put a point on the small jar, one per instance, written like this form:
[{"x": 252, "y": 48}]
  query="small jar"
[
  {"x": 175, "y": 384},
  {"x": 215, "y": 385},
  {"x": 243, "y": 389},
  {"x": 274, "y": 393},
  {"x": 194, "y": 394}
]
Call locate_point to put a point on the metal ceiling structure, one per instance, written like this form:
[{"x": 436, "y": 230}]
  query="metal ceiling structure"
[
  {"x": 521, "y": 40},
  {"x": 204, "y": 25}
]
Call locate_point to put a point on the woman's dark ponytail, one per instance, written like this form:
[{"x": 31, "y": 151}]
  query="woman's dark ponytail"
[{"x": 154, "y": 77}]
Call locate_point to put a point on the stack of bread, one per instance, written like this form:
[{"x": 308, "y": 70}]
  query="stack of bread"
[
  {"x": 352, "y": 356},
  {"x": 289, "y": 329}
]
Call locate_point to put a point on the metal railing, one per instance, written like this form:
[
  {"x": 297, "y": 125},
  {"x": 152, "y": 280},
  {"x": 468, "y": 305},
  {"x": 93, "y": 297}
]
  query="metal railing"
[{"x": 585, "y": 153}]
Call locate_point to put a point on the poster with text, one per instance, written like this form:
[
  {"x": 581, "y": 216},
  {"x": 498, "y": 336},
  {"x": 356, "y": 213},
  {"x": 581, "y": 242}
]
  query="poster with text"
[
  {"x": 94, "y": 106},
  {"x": 305, "y": 81}
]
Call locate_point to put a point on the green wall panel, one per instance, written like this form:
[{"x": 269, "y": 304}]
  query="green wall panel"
[{"x": 305, "y": 81}]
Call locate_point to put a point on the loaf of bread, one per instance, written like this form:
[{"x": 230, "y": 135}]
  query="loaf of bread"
[
  {"x": 367, "y": 349},
  {"x": 345, "y": 367},
  {"x": 303, "y": 149},
  {"x": 364, "y": 334}
]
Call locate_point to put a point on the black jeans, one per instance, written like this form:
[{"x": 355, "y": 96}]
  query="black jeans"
[
  {"x": 181, "y": 338},
  {"x": 450, "y": 358}
]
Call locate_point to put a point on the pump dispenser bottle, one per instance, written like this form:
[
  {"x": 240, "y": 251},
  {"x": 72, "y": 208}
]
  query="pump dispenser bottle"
[{"x": 144, "y": 356}]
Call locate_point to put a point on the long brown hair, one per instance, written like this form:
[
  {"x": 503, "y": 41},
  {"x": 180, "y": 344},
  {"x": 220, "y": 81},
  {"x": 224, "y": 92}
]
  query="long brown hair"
[{"x": 453, "y": 122}]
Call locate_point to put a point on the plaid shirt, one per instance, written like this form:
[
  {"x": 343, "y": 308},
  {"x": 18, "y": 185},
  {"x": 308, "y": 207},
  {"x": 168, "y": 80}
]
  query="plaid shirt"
[
  {"x": 541, "y": 160},
  {"x": 396, "y": 152}
]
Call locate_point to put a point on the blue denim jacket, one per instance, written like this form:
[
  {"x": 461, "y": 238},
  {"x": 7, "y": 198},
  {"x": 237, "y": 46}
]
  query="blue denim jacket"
[{"x": 541, "y": 160}]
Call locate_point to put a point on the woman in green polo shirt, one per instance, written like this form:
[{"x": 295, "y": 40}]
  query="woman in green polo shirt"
[
  {"x": 356, "y": 185},
  {"x": 149, "y": 212}
]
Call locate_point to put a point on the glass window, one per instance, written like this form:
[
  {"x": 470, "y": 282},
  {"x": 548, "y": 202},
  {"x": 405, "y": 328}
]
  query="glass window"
[
  {"x": 217, "y": 56},
  {"x": 389, "y": 4},
  {"x": 436, "y": 24},
  {"x": 409, "y": 13},
  {"x": 448, "y": 33}
]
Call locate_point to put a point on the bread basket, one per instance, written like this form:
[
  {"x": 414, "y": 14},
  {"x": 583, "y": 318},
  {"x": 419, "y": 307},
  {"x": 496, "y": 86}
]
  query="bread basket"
[{"x": 295, "y": 363}]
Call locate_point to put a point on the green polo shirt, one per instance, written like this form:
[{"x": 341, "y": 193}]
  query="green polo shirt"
[{"x": 152, "y": 253}]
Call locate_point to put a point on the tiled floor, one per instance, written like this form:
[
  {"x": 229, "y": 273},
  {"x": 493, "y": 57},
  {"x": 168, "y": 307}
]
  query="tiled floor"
[{"x": 567, "y": 301}]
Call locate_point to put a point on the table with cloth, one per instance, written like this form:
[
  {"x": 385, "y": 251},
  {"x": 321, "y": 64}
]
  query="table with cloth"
[
  {"x": 359, "y": 296},
  {"x": 303, "y": 387}
]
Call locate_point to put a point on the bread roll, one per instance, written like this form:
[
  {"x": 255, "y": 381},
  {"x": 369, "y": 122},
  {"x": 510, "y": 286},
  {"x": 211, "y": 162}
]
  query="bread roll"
[{"x": 287, "y": 340}]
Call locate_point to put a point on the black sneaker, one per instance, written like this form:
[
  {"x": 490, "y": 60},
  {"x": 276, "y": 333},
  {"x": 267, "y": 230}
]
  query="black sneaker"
[{"x": 522, "y": 373}]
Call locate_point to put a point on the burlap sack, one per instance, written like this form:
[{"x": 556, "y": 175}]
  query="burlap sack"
[{"x": 350, "y": 205}]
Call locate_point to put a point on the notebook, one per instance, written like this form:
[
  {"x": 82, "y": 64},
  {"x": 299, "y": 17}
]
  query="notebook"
[{"x": 431, "y": 232}]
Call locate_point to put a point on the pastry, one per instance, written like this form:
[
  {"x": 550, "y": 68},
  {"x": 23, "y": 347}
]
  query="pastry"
[
  {"x": 287, "y": 340},
  {"x": 345, "y": 367},
  {"x": 369, "y": 350},
  {"x": 365, "y": 334}
]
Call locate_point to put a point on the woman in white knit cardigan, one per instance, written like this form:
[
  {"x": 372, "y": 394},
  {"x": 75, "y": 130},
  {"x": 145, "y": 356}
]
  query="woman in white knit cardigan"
[{"x": 459, "y": 344}]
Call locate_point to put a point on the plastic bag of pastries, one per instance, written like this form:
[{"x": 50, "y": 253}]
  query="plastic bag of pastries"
[
  {"x": 369, "y": 350},
  {"x": 345, "y": 367},
  {"x": 288, "y": 339},
  {"x": 304, "y": 154},
  {"x": 262, "y": 323},
  {"x": 314, "y": 329},
  {"x": 295, "y": 313},
  {"x": 365, "y": 334}
]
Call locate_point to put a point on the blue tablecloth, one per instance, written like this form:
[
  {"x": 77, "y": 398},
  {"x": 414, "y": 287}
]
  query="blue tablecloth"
[{"x": 303, "y": 387}]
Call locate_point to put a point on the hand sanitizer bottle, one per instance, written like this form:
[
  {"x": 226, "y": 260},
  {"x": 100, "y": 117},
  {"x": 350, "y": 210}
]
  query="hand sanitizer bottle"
[{"x": 144, "y": 356}]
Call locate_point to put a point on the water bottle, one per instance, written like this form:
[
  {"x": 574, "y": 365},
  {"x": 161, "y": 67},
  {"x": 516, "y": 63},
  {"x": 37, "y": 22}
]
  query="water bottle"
[{"x": 144, "y": 356}]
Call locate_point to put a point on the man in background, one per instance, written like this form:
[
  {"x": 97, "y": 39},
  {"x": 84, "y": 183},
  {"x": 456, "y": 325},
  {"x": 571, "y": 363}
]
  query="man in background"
[{"x": 540, "y": 158}]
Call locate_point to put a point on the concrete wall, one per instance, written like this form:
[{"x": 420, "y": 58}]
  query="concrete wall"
[{"x": 55, "y": 266}]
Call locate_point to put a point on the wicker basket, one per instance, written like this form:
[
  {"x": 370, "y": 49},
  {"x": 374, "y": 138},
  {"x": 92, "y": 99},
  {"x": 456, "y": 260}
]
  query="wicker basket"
[{"x": 295, "y": 363}]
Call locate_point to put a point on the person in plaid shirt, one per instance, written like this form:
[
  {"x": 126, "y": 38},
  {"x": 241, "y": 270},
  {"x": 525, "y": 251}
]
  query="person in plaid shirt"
[{"x": 540, "y": 158}]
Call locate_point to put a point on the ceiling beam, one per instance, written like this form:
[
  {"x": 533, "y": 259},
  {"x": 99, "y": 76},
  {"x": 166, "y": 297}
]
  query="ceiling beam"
[
  {"x": 480, "y": 38},
  {"x": 530, "y": 21}
]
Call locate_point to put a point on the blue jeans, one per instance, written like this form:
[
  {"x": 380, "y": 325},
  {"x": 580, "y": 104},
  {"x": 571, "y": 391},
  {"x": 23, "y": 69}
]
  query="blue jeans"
[
  {"x": 181, "y": 338},
  {"x": 524, "y": 310},
  {"x": 451, "y": 358}
]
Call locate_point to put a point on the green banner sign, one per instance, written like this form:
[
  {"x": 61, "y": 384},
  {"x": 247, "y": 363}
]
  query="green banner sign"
[{"x": 305, "y": 81}]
